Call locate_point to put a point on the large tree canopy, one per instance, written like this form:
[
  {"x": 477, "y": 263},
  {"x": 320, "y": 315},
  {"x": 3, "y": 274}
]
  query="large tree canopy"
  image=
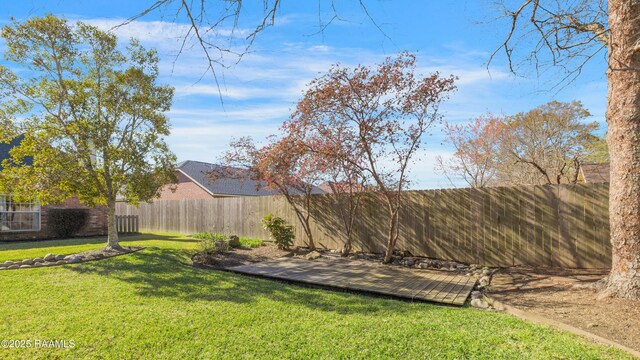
[{"x": 92, "y": 116}]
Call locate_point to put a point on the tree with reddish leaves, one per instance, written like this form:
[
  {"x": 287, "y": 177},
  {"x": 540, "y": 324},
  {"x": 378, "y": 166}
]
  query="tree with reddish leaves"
[
  {"x": 380, "y": 114},
  {"x": 477, "y": 145},
  {"x": 283, "y": 165},
  {"x": 329, "y": 151}
]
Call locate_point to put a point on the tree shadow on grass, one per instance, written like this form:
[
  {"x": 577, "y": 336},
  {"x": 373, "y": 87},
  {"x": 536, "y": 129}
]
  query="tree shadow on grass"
[
  {"x": 166, "y": 273},
  {"x": 97, "y": 240}
]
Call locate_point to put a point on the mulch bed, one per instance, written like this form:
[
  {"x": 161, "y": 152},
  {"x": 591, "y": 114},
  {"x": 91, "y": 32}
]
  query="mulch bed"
[
  {"x": 565, "y": 296},
  {"x": 103, "y": 253},
  {"x": 241, "y": 256}
]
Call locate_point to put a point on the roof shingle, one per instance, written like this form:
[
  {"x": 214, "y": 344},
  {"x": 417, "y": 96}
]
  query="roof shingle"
[{"x": 241, "y": 186}]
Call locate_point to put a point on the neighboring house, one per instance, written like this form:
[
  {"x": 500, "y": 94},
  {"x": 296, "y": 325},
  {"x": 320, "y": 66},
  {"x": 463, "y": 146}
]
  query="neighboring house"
[
  {"x": 594, "y": 173},
  {"x": 331, "y": 187},
  {"x": 30, "y": 221},
  {"x": 195, "y": 182}
]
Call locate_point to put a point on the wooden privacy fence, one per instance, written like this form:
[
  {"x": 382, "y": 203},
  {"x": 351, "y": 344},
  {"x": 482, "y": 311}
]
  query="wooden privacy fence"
[
  {"x": 127, "y": 224},
  {"x": 551, "y": 225}
]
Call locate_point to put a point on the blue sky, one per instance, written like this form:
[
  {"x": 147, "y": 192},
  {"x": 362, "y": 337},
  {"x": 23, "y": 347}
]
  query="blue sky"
[{"x": 259, "y": 92}]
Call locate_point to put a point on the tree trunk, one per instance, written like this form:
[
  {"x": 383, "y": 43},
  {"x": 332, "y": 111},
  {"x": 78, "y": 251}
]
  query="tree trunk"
[
  {"x": 113, "y": 242},
  {"x": 393, "y": 236},
  {"x": 623, "y": 137},
  {"x": 312, "y": 244},
  {"x": 346, "y": 249}
]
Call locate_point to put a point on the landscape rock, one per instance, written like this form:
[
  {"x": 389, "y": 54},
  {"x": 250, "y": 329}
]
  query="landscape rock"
[
  {"x": 60, "y": 262},
  {"x": 73, "y": 260},
  {"x": 27, "y": 262},
  {"x": 25, "y": 266},
  {"x": 313, "y": 255},
  {"x": 234, "y": 241},
  {"x": 2, "y": 267},
  {"x": 38, "y": 260},
  {"x": 486, "y": 272},
  {"x": 484, "y": 281},
  {"x": 476, "y": 295},
  {"x": 14, "y": 266},
  {"x": 69, "y": 257},
  {"x": 49, "y": 257},
  {"x": 60, "y": 257},
  {"x": 479, "y": 303},
  {"x": 48, "y": 263},
  {"x": 38, "y": 264},
  {"x": 410, "y": 262},
  {"x": 7, "y": 263}
]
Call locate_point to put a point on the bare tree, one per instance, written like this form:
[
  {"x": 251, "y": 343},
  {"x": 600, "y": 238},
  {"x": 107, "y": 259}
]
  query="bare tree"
[
  {"x": 476, "y": 145},
  {"x": 568, "y": 34}
]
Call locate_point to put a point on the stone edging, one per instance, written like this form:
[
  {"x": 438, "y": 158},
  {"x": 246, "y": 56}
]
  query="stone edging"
[
  {"x": 525, "y": 315},
  {"x": 77, "y": 258}
]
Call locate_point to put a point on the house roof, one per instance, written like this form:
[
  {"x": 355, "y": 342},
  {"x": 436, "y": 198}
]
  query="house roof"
[
  {"x": 595, "y": 172},
  {"x": 333, "y": 187},
  {"x": 236, "y": 185},
  {"x": 6, "y": 148}
]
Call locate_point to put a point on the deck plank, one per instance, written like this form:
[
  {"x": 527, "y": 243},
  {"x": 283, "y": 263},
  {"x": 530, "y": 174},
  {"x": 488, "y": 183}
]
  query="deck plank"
[{"x": 429, "y": 285}]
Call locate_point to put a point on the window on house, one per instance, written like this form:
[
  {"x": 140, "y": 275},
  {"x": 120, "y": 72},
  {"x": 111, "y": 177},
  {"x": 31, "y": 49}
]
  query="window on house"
[{"x": 18, "y": 216}]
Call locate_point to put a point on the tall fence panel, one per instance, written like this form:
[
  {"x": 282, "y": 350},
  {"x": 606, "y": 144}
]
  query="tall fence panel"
[{"x": 551, "y": 225}]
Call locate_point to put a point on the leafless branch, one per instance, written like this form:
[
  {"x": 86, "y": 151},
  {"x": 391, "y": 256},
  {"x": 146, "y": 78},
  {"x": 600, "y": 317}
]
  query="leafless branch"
[
  {"x": 201, "y": 29},
  {"x": 553, "y": 33}
]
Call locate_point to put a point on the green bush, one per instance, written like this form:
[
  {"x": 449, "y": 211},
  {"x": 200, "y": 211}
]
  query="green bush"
[
  {"x": 281, "y": 233},
  {"x": 213, "y": 247},
  {"x": 244, "y": 242},
  {"x": 251, "y": 243},
  {"x": 66, "y": 222}
]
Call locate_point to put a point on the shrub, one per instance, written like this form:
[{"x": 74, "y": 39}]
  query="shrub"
[
  {"x": 213, "y": 247},
  {"x": 217, "y": 237},
  {"x": 281, "y": 233},
  {"x": 244, "y": 242},
  {"x": 66, "y": 222},
  {"x": 251, "y": 243}
]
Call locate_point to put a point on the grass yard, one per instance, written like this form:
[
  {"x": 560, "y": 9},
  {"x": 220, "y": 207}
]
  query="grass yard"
[{"x": 152, "y": 304}]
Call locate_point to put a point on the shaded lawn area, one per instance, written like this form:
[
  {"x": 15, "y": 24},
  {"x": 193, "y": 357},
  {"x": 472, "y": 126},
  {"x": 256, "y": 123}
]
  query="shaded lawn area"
[{"x": 152, "y": 304}]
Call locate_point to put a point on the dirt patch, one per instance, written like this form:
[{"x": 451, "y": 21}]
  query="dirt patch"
[
  {"x": 565, "y": 296},
  {"x": 241, "y": 256},
  {"x": 104, "y": 253}
]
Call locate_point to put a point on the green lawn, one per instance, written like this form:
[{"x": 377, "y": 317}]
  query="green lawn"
[{"x": 152, "y": 304}]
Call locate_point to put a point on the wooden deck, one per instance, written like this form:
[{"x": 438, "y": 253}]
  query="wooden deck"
[{"x": 435, "y": 286}]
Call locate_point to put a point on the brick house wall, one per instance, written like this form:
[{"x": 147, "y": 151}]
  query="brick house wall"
[
  {"x": 184, "y": 189},
  {"x": 96, "y": 223}
]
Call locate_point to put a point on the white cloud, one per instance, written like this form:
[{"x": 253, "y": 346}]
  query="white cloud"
[
  {"x": 156, "y": 32},
  {"x": 253, "y": 113}
]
